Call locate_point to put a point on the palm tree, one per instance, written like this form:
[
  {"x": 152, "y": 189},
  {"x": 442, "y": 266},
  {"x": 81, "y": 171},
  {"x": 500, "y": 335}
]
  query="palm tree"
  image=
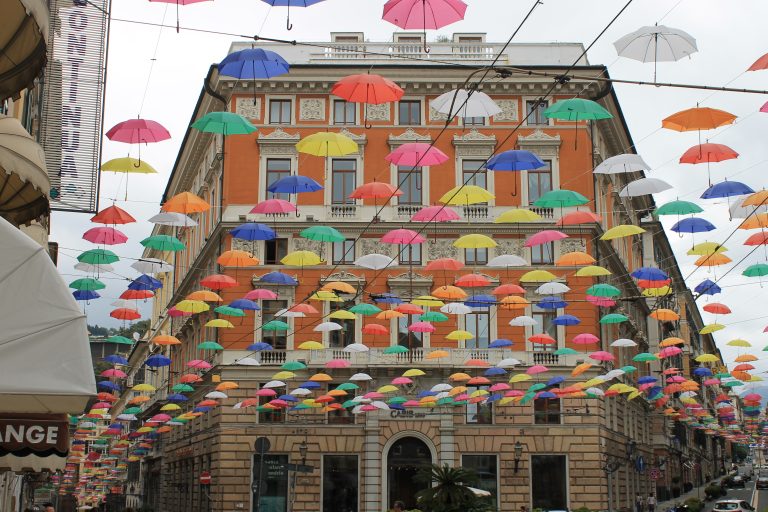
[{"x": 449, "y": 489}]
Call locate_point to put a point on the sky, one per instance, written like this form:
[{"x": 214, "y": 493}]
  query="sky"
[{"x": 158, "y": 73}]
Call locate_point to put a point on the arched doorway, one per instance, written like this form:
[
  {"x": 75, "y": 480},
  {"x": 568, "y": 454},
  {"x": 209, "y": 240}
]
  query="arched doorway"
[{"x": 405, "y": 458}]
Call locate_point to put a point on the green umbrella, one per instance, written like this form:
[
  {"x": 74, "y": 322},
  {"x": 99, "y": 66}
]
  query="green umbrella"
[
  {"x": 732, "y": 384},
  {"x": 229, "y": 311},
  {"x": 87, "y": 283},
  {"x": 397, "y": 400},
  {"x": 132, "y": 410},
  {"x": 603, "y": 290},
  {"x": 565, "y": 351},
  {"x": 527, "y": 398},
  {"x": 121, "y": 340},
  {"x": 678, "y": 208},
  {"x": 275, "y": 325},
  {"x": 560, "y": 199},
  {"x": 98, "y": 257},
  {"x": 536, "y": 387},
  {"x": 297, "y": 407},
  {"x": 365, "y": 309},
  {"x": 577, "y": 109},
  {"x": 613, "y": 318},
  {"x": 209, "y": 345},
  {"x": 322, "y": 234},
  {"x": 723, "y": 376},
  {"x": 644, "y": 357},
  {"x": 396, "y": 349},
  {"x": 349, "y": 403},
  {"x": 347, "y": 386},
  {"x": 433, "y": 316},
  {"x": 446, "y": 400},
  {"x": 163, "y": 243},
  {"x": 182, "y": 388},
  {"x": 628, "y": 369},
  {"x": 225, "y": 123},
  {"x": 293, "y": 365},
  {"x": 757, "y": 270}
]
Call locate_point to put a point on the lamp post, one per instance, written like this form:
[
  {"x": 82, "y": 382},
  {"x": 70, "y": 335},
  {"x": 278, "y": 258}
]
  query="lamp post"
[{"x": 518, "y": 454}]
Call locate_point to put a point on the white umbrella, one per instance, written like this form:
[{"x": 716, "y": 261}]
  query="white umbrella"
[
  {"x": 622, "y": 163},
  {"x": 552, "y": 288},
  {"x": 742, "y": 212},
  {"x": 624, "y": 342},
  {"x": 478, "y": 492},
  {"x": 360, "y": 377},
  {"x": 274, "y": 384},
  {"x": 248, "y": 361},
  {"x": 287, "y": 313},
  {"x": 439, "y": 388},
  {"x": 380, "y": 405},
  {"x": 357, "y": 409},
  {"x": 656, "y": 44},
  {"x": 596, "y": 391},
  {"x": 507, "y": 260},
  {"x": 122, "y": 303},
  {"x": 327, "y": 327},
  {"x": 688, "y": 394},
  {"x": 375, "y": 261},
  {"x": 173, "y": 219},
  {"x": 94, "y": 269},
  {"x": 613, "y": 374},
  {"x": 460, "y": 102},
  {"x": 355, "y": 347},
  {"x": 238, "y": 405},
  {"x": 455, "y": 308},
  {"x": 86, "y": 424},
  {"x": 442, "y": 394},
  {"x": 644, "y": 187},
  {"x": 360, "y": 399},
  {"x": 300, "y": 392},
  {"x": 216, "y": 394},
  {"x": 126, "y": 417},
  {"x": 508, "y": 362},
  {"x": 151, "y": 266},
  {"x": 523, "y": 321}
]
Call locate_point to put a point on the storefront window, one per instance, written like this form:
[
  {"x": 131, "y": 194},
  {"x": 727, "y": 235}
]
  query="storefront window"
[
  {"x": 485, "y": 467},
  {"x": 270, "y": 491},
  {"x": 549, "y": 490},
  {"x": 340, "y": 483}
]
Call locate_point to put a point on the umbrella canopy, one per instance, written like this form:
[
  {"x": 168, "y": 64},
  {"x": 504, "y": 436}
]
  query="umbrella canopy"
[
  {"x": 138, "y": 131},
  {"x": 402, "y": 237},
  {"x": 185, "y": 203},
  {"x": 253, "y": 231},
  {"x": 113, "y": 215},
  {"x": 151, "y": 266},
  {"x": 105, "y": 235},
  {"x": 163, "y": 243},
  {"x": 474, "y": 241},
  {"x": 367, "y": 88},
  {"x": 173, "y": 219},
  {"x": 692, "y": 225},
  {"x": 289, "y": 4},
  {"x": 656, "y": 44},
  {"x": 322, "y": 234},
  {"x": 414, "y": 154},
  {"x": 678, "y": 208},
  {"x": 225, "y": 123},
  {"x": 699, "y": 118},
  {"x": 515, "y": 160},
  {"x": 435, "y": 214},
  {"x": 375, "y": 261},
  {"x": 253, "y": 63},
  {"x": 295, "y": 184},
  {"x": 423, "y": 14},
  {"x": 128, "y": 165},
  {"x": 726, "y": 189},
  {"x": 274, "y": 207},
  {"x": 466, "y": 195},
  {"x": 560, "y": 199},
  {"x": 463, "y": 103},
  {"x": 577, "y": 109},
  {"x": 621, "y": 164},
  {"x": 327, "y": 144},
  {"x": 708, "y": 153},
  {"x": 375, "y": 190},
  {"x": 644, "y": 186},
  {"x": 543, "y": 237},
  {"x": 620, "y": 231}
]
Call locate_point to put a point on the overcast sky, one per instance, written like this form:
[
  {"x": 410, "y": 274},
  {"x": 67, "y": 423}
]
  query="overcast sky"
[{"x": 730, "y": 36}]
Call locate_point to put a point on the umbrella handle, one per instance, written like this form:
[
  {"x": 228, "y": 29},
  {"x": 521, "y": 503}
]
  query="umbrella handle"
[{"x": 288, "y": 24}]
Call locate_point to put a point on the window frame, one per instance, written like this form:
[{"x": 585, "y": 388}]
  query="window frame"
[
  {"x": 276, "y": 242},
  {"x": 323, "y": 479},
  {"x": 475, "y": 327},
  {"x": 477, "y": 408},
  {"x": 347, "y": 256},
  {"x": 538, "y": 173},
  {"x": 344, "y": 200},
  {"x": 268, "y": 173},
  {"x": 416, "y": 173},
  {"x": 351, "y": 328},
  {"x": 477, "y": 256},
  {"x": 347, "y": 107},
  {"x": 539, "y": 254},
  {"x": 419, "y": 110},
  {"x": 528, "y": 103},
  {"x": 408, "y": 250},
  {"x": 281, "y": 101},
  {"x": 475, "y": 121},
  {"x": 546, "y": 415},
  {"x": 540, "y": 329},
  {"x": 255, "y": 459},
  {"x": 268, "y": 314},
  {"x": 494, "y": 497}
]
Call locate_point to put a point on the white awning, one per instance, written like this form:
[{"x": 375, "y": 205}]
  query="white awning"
[
  {"x": 23, "y": 36},
  {"x": 24, "y": 183},
  {"x": 32, "y": 463}
]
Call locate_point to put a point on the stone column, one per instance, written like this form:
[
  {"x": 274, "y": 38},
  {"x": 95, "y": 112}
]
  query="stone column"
[
  {"x": 447, "y": 454},
  {"x": 371, "y": 467}
]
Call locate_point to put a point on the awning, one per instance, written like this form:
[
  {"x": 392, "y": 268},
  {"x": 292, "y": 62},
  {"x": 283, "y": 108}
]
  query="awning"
[
  {"x": 33, "y": 441},
  {"x": 24, "y": 183},
  {"x": 23, "y": 36}
]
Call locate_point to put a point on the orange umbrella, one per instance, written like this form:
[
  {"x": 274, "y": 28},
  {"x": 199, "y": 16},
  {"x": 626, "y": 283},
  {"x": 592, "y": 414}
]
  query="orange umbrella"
[
  {"x": 744, "y": 376},
  {"x": 449, "y": 293},
  {"x": 712, "y": 260},
  {"x": 759, "y": 198},
  {"x": 164, "y": 339},
  {"x": 409, "y": 309},
  {"x": 756, "y": 221},
  {"x": 444, "y": 264},
  {"x": 671, "y": 341},
  {"x": 472, "y": 280},
  {"x": 745, "y": 358},
  {"x": 508, "y": 289},
  {"x": 374, "y": 190},
  {"x": 665, "y": 315},
  {"x": 699, "y": 118},
  {"x": 204, "y": 296},
  {"x": 574, "y": 259},
  {"x": 307, "y": 309},
  {"x": 185, "y": 203},
  {"x": 578, "y": 217},
  {"x": 513, "y": 303},
  {"x": 578, "y": 370},
  {"x": 338, "y": 286},
  {"x": 218, "y": 282},
  {"x": 237, "y": 258},
  {"x": 388, "y": 314}
]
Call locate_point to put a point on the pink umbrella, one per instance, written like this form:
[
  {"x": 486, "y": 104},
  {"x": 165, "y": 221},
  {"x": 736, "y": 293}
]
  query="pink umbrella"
[
  {"x": 416, "y": 153},
  {"x": 138, "y": 131},
  {"x": 101, "y": 405},
  {"x": 676, "y": 378},
  {"x": 338, "y": 363},
  {"x": 274, "y": 207},
  {"x": 175, "y": 313},
  {"x": 266, "y": 392},
  {"x": 585, "y": 339},
  {"x": 105, "y": 235},
  {"x": 421, "y": 327},
  {"x": 602, "y": 355},
  {"x": 501, "y": 386},
  {"x": 711, "y": 382},
  {"x": 603, "y": 302},
  {"x": 113, "y": 373},
  {"x": 514, "y": 393},
  {"x": 545, "y": 236},
  {"x": 399, "y": 381},
  {"x": 368, "y": 408},
  {"x": 536, "y": 369},
  {"x": 423, "y": 14},
  {"x": 411, "y": 403},
  {"x": 402, "y": 237},
  {"x": 460, "y": 397},
  {"x": 261, "y": 293},
  {"x": 669, "y": 352},
  {"x": 199, "y": 364},
  {"x": 279, "y": 403},
  {"x": 764, "y": 108},
  {"x": 645, "y": 386},
  {"x": 161, "y": 417},
  {"x": 178, "y": 2},
  {"x": 435, "y": 214},
  {"x": 373, "y": 395}
]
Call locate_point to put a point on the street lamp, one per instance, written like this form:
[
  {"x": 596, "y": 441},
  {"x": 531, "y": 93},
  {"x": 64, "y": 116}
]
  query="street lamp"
[
  {"x": 303, "y": 451},
  {"x": 518, "y": 454}
]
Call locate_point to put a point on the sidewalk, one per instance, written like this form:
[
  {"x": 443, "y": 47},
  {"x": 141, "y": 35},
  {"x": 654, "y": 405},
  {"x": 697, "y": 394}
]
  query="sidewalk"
[{"x": 662, "y": 506}]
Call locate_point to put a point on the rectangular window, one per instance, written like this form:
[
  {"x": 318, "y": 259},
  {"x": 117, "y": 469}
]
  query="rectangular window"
[
  {"x": 534, "y": 109},
  {"x": 410, "y": 254},
  {"x": 543, "y": 254},
  {"x": 544, "y": 325},
  {"x": 486, "y": 467},
  {"x": 279, "y": 111},
  {"x": 405, "y": 337},
  {"x": 278, "y": 339},
  {"x": 346, "y": 335},
  {"x": 473, "y": 172},
  {"x": 344, "y": 112},
  {"x": 343, "y": 252},
  {"x": 476, "y": 256},
  {"x": 270, "y": 483},
  {"x": 549, "y": 490},
  {"x": 343, "y": 180},
  {"x": 546, "y": 411},
  {"x": 275, "y": 250},
  {"x": 277, "y": 169},
  {"x": 340, "y": 483},
  {"x": 479, "y": 413},
  {"x": 539, "y": 181},
  {"x": 474, "y": 121},
  {"x": 271, "y": 415},
  {"x": 479, "y": 324},
  {"x": 409, "y": 112},
  {"x": 409, "y": 181}
]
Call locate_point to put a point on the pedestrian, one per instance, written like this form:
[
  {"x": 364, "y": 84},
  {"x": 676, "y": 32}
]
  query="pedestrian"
[
  {"x": 398, "y": 506},
  {"x": 651, "y": 502},
  {"x": 639, "y": 503}
]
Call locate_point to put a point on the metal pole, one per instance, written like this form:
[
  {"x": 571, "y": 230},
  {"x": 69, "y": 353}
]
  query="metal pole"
[
  {"x": 258, "y": 484},
  {"x": 610, "y": 491}
]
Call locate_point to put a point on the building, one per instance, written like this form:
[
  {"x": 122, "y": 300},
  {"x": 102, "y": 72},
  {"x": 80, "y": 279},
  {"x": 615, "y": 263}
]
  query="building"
[{"x": 545, "y": 453}]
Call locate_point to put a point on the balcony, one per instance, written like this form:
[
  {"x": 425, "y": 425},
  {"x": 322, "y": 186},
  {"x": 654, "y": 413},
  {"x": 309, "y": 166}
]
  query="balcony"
[
  {"x": 546, "y": 358},
  {"x": 545, "y": 213},
  {"x": 406, "y": 211},
  {"x": 342, "y": 211},
  {"x": 476, "y": 212}
]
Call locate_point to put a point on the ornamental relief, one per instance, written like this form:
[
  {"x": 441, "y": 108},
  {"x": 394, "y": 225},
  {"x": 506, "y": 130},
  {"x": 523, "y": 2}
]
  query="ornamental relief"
[
  {"x": 434, "y": 115},
  {"x": 441, "y": 248},
  {"x": 378, "y": 112},
  {"x": 572, "y": 244},
  {"x": 250, "y": 108},
  {"x": 508, "y": 110},
  {"x": 510, "y": 246},
  {"x": 253, "y": 247},
  {"x": 304, "y": 244},
  {"x": 372, "y": 245},
  {"x": 312, "y": 109}
]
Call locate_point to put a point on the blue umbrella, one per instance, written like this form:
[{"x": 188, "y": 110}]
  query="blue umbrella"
[
  {"x": 118, "y": 426},
  {"x": 294, "y": 185},
  {"x": 289, "y": 4},
  {"x": 157, "y": 360},
  {"x": 494, "y": 397},
  {"x": 707, "y": 287},
  {"x": 253, "y": 231},
  {"x": 650, "y": 274},
  {"x": 500, "y": 343},
  {"x": 310, "y": 384},
  {"x": 288, "y": 398},
  {"x": 245, "y": 305},
  {"x": 397, "y": 407},
  {"x": 85, "y": 295},
  {"x": 727, "y": 189},
  {"x": 552, "y": 302},
  {"x": 646, "y": 380},
  {"x": 515, "y": 160},
  {"x": 278, "y": 278},
  {"x": 566, "y": 320},
  {"x": 253, "y": 63},
  {"x": 259, "y": 346},
  {"x": 480, "y": 301},
  {"x": 108, "y": 385},
  {"x": 176, "y": 397},
  {"x": 201, "y": 409},
  {"x": 116, "y": 359},
  {"x": 145, "y": 282},
  {"x": 547, "y": 394},
  {"x": 494, "y": 371},
  {"x": 702, "y": 372},
  {"x": 422, "y": 394},
  {"x": 692, "y": 225},
  {"x": 554, "y": 381},
  {"x": 387, "y": 298}
]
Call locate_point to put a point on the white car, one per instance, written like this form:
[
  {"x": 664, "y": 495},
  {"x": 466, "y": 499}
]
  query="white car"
[{"x": 732, "y": 506}]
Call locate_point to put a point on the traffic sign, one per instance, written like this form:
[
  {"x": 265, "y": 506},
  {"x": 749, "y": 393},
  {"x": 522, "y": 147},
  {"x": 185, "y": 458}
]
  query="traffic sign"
[
  {"x": 300, "y": 468},
  {"x": 205, "y": 478},
  {"x": 654, "y": 474},
  {"x": 262, "y": 445}
]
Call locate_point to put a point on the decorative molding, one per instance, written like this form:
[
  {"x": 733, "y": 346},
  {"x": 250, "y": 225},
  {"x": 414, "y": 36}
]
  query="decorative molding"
[
  {"x": 510, "y": 246},
  {"x": 360, "y": 139},
  {"x": 278, "y": 142},
  {"x": 572, "y": 244},
  {"x": 508, "y": 110},
  {"x": 279, "y": 135},
  {"x": 253, "y": 247},
  {"x": 249, "y": 108},
  {"x": 312, "y": 109},
  {"x": 380, "y": 112},
  {"x": 372, "y": 245},
  {"x": 442, "y": 248},
  {"x": 547, "y": 146},
  {"x": 538, "y": 136},
  {"x": 474, "y": 143},
  {"x": 474, "y": 137},
  {"x": 434, "y": 115},
  {"x": 409, "y": 135},
  {"x": 304, "y": 244},
  {"x": 343, "y": 276}
]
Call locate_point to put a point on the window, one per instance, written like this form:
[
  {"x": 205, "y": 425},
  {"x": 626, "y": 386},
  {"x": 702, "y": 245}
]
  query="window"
[
  {"x": 479, "y": 413},
  {"x": 409, "y": 112},
  {"x": 278, "y": 339},
  {"x": 479, "y": 324},
  {"x": 275, "y": 250},
  {"x": 486, "y": 468},
  {"x": 405, "y": 337},
  {"x": 343, "y": 180},
  {"x": 474, "y": 121},
  {"x": 277, "y": 169},
  {"x": 534, "y": 109},
  {"x": 543, "y": 254},
  {"x": 340, "y": 483},
  {"x": 270, "y": 483},
  {"x": 549, "y": 490},
  {"x": 346, "y": 335},
  {"x": 473, "y": 172},
  {"x": 340, "y": 416},
  {"x": 271, "y": 415},
  {"x": 410, "y": 254},
  {"x": 546, "y": 411},
  {"x": 343, "y": 252},
  {"x": 476, "y": 256},
  {"x": 409, "y": 181},
  {"x": 344, "y": 112},
  {"x": 279, "y": 111},
  {"x": 539, "y": 181},
  {"x": 543, "y": 325}
]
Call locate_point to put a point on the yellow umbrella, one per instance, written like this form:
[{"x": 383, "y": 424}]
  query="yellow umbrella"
[
  {"x": 282, "y": 375},
  {"x": 219, "y": 323},
  {"x": 574, "y": 259},
  {"x": 593, "y": 382},
  {"x": 621, "y": 231},
  {"x": 413, "y": 372},
  {"x": 170, "y": 407},
  {"x": 387, "y": 388},
  {"x": 755, "y": 378},
  {"x": 427, "y": 301},
  {"x": 338, "y": 286},
  {"x": 466, "y": 194},
  {"x": 520, "y": 377},
  {"x": 437, "y": 354},
  {"x": 712, "y": 260},
  {"x": 537, "y": 276},
  {"x": 479, "y": 392},
  {"x": 459, "y": 335},
  {"x": 301, "y": 259},
  {"x": 325, "y": 296},
  {"x": 516, "y": 215},
  {"x": 474, "y": 241},
  {"x": 657, "y": 292},
  {"x": 326, "y": 144},
  {"x": 457, "y": 390},
  {"x": 709, "y": 329},
  {"x": 739, "y": 343},
  {"x": 311, "y": 345},
  {"x": 342, "y": 315},
  {"x": 128, "y": 165},
  {"x": 593, "y": 271},
  {"x": 707, "y": 358},
  {"x": 143, "y": 387},
  {"x": 704, "y": 248}
]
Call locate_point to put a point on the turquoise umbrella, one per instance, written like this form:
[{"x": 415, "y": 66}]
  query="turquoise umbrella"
[{"x": 224, "y": 123}]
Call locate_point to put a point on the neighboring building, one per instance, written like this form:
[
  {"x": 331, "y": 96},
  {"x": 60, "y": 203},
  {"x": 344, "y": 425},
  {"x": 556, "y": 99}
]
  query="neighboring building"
[{"x": 547, "y": 454}]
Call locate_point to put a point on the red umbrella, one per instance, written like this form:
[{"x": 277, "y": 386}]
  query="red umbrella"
[
  {"x": 105, "y": 235},
  {"x": 374, "y": 190},
  {"x": 757, "y": 239},
  {"x": 444, "y": 264},
  {"x": 717, "y": 308},
  {"x": 578, "y": 217},
  {"x": 113, "y": 215},
  {"x": 137, "y": 131},
  {"x": 137, "y": 294},
  {"x": 544, "y": 339},
  {"x": 402, "y": 237},
  {"x": 125, "y": 314},
  {"x": 707, "y": 153},
  {"x": 190, "y": 378},
  {"x": 375, "y": 329},
  {"x": 435, "y": 214},
  {"x": 367, "y": 88},
  {"x": 508, "y": 289},
  {"x": 218, "y": 282},
  {"x": 760, "y": 64},
  {"x": 409, "y": 309},
  {"x": 472, "y": 280}
]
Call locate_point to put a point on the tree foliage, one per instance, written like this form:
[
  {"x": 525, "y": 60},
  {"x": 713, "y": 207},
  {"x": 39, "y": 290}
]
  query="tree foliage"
[{"x": 450, "y": 490}]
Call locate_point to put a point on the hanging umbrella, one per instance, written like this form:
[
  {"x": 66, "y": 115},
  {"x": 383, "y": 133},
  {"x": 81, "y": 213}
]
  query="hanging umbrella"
[
  {"x": 578, "y": 217},
  {"x": 707, "y": 287},
  {"x": 414, "y": 154},
  {"x": 125, "y": 314},
  {"x": 543, "y": 237},
  {"x": 172, "y": 219},
  {"x": 464, "y": 104},
  {"x": 145, "y": 282},
  {"x": 697, "y": 119},
  {"x": 112, "y": 215},
  {"x": 138, "y": 131},
  {"x": 327, "y": 144},
  {"x": 644, "y": 186},
  {"x": 435, "y": 214},
  {"x": 367, "y": 88},
  {"x": 726, "y": 189},
  {"x": 577, "y": 109},
  {"x": 375, "y": 261},
  {"x": 85, "y": 295},
  {"x": 274, "y": 207},
  {"x": 236, "y": 258},
  {"x": 253, "y": 63},
  {"x": 692, "y": 225},
  {"x": 622, "y": 164},
  {"x": 87, "y": 284},
  {"x": 97, "y": 257},
  {"x": 151, "y": 266},
  {"x": 474, "y": 241},
  {"x": 678, "y": 208},
  {"x": 295, "y": 184},
  {"x": 127, "y": 165},
  {"x": 224, "y": 123},
  {"x": 621, "y": 231},
  {"x": 322, "y": 234},
  {"x": 105, "y": 235},
  {"x": 277, "y": 278},
  {"x": 516, "y": 215},
  {"x": 656, "y": 44},
  {"x": 423, "y": 14},
  {"x": 402, "y": 237},
  {"x": 185, "y": 203},
  {"x": 253, "y": 231},
  {"x": 289, "y": 4},
  {"x": 574, "y": 259},
  {"x": 163, "y": 243},
  {"x": 560, "y": 199},
  {"x": 301, "y": 259},
  {"x": 708, "y": 153},
  {"x": 507, "y": 260},
  {"x": 466, "y": 195}
]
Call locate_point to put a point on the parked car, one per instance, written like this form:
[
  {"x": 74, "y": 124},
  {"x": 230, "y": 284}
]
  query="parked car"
[
  {"x": 762, "y": 482},
  {"x": 732, "y": 506},
  {"x": 738, "y": 481}
]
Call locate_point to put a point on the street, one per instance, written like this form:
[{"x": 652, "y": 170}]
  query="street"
[{"x": 749, "y": 494}]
